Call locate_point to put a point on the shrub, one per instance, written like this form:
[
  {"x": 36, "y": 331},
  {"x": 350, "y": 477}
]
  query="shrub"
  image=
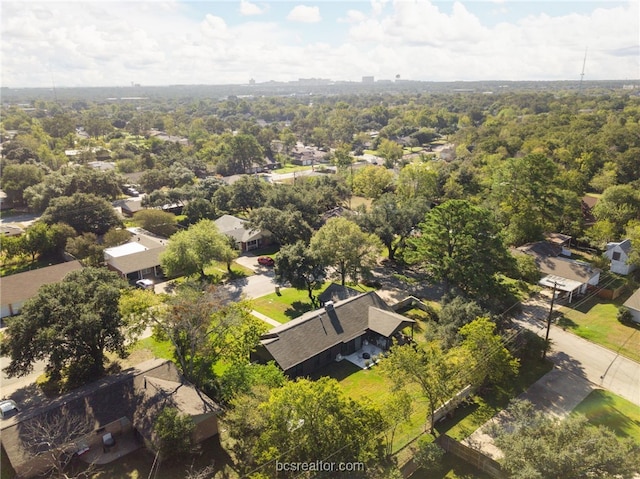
[
  {"x": 624, "y": 315},
  {"x": 173, "y": 433}
]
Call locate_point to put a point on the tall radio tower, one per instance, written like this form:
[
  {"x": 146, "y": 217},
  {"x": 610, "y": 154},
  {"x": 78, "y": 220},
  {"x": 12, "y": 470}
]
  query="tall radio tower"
[{"x": 584, "y": 62}]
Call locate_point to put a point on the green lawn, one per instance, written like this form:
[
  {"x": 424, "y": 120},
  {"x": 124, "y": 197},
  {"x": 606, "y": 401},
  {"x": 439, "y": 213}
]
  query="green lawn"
[
  {"x": 607, "y": 409},
  {"x": 595, "y": 320},
  {"x": 291, "y": 302},
  {"x": 452, "y": 467},
  {"x": 218, "y": 269},
  {"x": 290, "y": 168}
]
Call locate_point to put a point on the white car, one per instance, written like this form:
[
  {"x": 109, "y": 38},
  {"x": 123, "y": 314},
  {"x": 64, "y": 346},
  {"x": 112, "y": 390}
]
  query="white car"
[
  {"x": 145, "y": 284},
  {"x": 8, "y": 408}
]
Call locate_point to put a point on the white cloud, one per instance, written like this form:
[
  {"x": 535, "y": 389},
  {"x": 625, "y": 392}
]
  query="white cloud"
[
  {"x": 247, "y": 8},
  {"x": 114, "y": 43},
  {"x": 304, "y": 14}
]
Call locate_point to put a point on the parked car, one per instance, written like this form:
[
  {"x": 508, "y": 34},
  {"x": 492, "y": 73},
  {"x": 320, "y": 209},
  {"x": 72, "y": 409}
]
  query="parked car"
[
  {"x": 145, "y": 284},
  {"x": 266, "y": 261},
  {"x": 8, "y": 408}
]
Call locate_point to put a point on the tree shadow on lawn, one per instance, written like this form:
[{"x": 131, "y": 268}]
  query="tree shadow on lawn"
[
  {"x": 601, "y": 409},
  {"x": 298, "y": 308},
  {"x": 337, "y": 371},
  {"x": 564, "y": 322}
]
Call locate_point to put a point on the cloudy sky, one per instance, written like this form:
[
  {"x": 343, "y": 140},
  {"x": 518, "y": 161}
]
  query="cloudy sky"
[{"x": 111, "y": 43}]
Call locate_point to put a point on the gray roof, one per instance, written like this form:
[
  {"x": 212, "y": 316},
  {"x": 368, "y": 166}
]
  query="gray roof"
[
  {"x": 235, "y": 227},
  {"x": 545, "y": 255},
  {"x": 623, "y": 245},
  {"x": 316, "y": 331},
  {"x": 337, "y": 292},
  {"x": 634, "y": 301},
  {"x": 137, "y": 261},
  {"x": 137, "y": 393},
  {"x": 22, "y": 286}
]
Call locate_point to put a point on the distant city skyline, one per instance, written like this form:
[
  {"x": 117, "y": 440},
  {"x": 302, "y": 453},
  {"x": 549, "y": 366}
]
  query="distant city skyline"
[{"x": 111, "y": 43}]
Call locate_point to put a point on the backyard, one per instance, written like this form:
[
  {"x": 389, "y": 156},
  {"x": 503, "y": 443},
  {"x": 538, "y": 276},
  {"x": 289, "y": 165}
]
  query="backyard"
[
  {"x": 290, "y": 303},
  {"x": 594, "y": 319},
  {"x": 603, "y": 408}
]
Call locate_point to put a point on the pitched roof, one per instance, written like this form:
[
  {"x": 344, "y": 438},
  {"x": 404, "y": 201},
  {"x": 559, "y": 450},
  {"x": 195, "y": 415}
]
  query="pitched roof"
[
  {"x": 623, "y": 245},
  {"x": 235, "y": 227},
  {"x": 22, "y": 286},
  {"x": 316, "y": 331},
  {"x": 634, "y": 301},
  {"x": 566, "y": 268},
  {"x": 337, "y": 292},
  {"x": 137, "y": 261},
  {"x": 137, "y": 393}
]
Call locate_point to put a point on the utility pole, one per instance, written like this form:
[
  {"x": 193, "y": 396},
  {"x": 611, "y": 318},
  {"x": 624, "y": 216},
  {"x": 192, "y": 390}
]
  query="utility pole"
[{"x": 546, "y": 339}]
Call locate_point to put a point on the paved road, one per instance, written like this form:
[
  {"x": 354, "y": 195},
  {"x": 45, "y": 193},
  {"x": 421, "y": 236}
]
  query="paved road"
[
  {"x": 579, "y": 367},
  {"x": 601, "y": 366}
]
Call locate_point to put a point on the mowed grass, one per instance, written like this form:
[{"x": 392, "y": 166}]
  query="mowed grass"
[
  {"x": 291, "y": 302},
  {"x": 603, "y": 408},
  {"x": 595, "y": 320},
  {"x": 219, "y": 269},
  {"x": 372, "y": 385}
]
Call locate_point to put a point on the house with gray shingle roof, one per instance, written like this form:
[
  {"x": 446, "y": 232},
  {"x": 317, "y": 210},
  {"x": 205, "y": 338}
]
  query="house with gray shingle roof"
[
  {"x": 19, "y": 287},
  {"x": 125, "y": 406},
  {"x": 246, "y": 239},
  {"x": 633, "y": 303},
  {"x": 139, "y": 258},
  {"x": 318, "y": 338},
  {"x": 618, "y": 254}
]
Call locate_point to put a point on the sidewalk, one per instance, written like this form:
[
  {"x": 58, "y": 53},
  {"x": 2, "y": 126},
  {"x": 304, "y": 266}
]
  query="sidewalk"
[{"x": 266, "y": 319}]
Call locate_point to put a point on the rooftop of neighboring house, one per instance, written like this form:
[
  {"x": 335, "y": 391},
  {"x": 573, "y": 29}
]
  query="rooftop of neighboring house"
[{"x": 22, "y": 286}]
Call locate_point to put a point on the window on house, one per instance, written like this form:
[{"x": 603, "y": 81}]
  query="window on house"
[{"x": 616, "y": 256}]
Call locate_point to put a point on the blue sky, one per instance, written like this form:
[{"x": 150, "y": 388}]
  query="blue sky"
[{"x": 159, "y": 42}]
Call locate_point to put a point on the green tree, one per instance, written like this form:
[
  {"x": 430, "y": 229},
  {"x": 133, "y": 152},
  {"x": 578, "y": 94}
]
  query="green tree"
[
  {"x": 248, "y": 193},
  {"x": 203, "y": 328},
  {"x": 241, "y": 152},
  {"x": 418, "y": 180},
  {"x": 173, "y": 433},
  {"x": 493, "y": 361},
  {"x": 86, "y": 249},
  {"x": 190, "y": 251},
  {"x": 16, "y": 178},
  {"x": 460, "y": 245},
  {"x": 161, "y": 223},
  {"x": 70, "y": 324},
  {"x": 392, "y": 220},
  {"x": 428, "y": 367},
  {"x": 85, "y": 213},
  {"x": 372, "y": 181},
  {"x": 286, "y": 226},
  {"x": 36, "y": 240},
  {"x": 619, "y": 204},
  {"x": 390, "y": 151},
  {"x": 633, "y": 233},
  {"x": 199, "y": 209},
  {"x": 396, "y": 410},
  {"x": 537, "y": 446},
  {"x": 307, "y": 421},
  {"x": 342, "y": 244},
  {"x": 301, "y": 266}
]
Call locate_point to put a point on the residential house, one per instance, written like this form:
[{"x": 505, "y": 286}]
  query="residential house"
[
  {"x": 318, "y": 338},
  {"x": 633, "y": 303},
  {"x": 124, "y": 406},
  {"x": 128, "y": 206},
  {"x": 563, "y": 242},
  {"x": 18, "y": 288},
  {"x": 139, "y": 258},
  {"x": 308, "y": 155},
  {"x": 336, "y": 292},
  {"x": 618, "y": 254},
  {"x": 246, "y": 239},
  {"x": 10, "y": 230},
  {"x": 566, "y": 275}
]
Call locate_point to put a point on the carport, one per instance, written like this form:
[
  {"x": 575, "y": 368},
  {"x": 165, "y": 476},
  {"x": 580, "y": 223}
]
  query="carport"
[{"x": 561, "y": 284}]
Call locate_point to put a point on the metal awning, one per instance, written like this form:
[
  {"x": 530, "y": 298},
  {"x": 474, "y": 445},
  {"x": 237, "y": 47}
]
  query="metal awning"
[{"x": 562, "y": 284}]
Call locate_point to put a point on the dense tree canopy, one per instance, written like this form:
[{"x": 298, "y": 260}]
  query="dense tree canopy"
[
  {"x": 70, "y": 324},
  {"x": 537, "y": 446},
  {"x": 190, "y": 251},
  {"x": 342, "y": 244},
  {"x": 460, "y": 245},
  {"x": 85, "y": 213}
]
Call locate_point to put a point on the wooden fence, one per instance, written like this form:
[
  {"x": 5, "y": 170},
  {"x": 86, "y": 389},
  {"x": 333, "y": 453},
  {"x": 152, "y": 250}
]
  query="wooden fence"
[{"x": 471, "y": 456}]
